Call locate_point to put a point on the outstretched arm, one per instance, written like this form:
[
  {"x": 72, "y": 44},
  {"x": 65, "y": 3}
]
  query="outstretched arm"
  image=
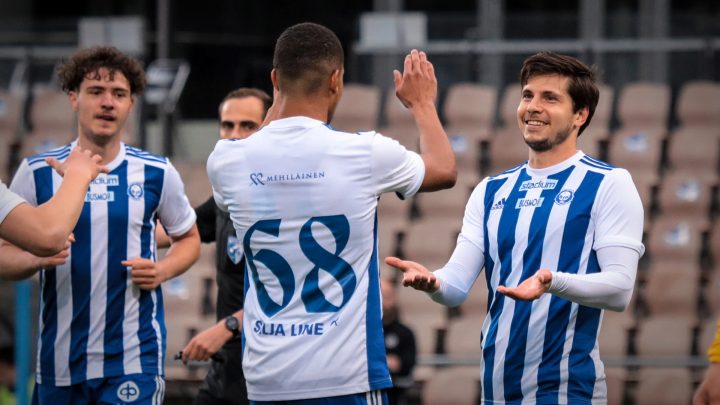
[
  {"x": 611, "y": 288},
  {"x": 416, "y": 87},
  {"x": 44, "y": 230}
]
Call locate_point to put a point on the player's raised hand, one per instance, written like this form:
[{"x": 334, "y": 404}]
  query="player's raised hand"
[
  {"x": 530, "y": 289},
  {"x": 146, "y": 273},
  {"x": 79, "y": 161},
  {"x": 417, "y": 84},
  {"x": 415, "y": 275}
]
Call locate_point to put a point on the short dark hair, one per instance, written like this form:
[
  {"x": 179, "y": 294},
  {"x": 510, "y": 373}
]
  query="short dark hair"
[
  {"x": 582, "y": 88},
  {"x": 88, "y": 62},
  {"x": 244, "y": 92},
  {"x": 305, "y": 54}
]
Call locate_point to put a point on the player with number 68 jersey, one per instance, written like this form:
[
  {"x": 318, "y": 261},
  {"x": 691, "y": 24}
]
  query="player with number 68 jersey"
[{"x": 303, "y": 198}]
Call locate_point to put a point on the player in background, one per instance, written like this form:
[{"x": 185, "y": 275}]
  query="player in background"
[
  {"x": 102, "y": 329},
  {"x": 559, "y": 237},
  {"x": 303, "y": 199},
  {"x": 241, "y": 113}
]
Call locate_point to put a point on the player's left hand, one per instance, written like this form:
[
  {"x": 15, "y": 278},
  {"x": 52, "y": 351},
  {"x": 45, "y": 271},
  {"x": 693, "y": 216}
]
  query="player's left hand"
[
  {"x": 146, "y": 273},
  {"x": 530, "y": 289},
  {"x": 207, "y": 343}
]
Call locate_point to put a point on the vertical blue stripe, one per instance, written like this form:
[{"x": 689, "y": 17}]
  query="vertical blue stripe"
[
  {"x": 582, "y": 367},
  {"x": 48, "y": 312},
  {"x": 81, "y": 289},
  {"x": 378, "y": 373},
  {"x": 152, "y": 191},
  {"x": 505, "y": 242},
  {"x": 532, "y": 257},
  {"x": 576, "y": 225},
  {"x": 116, "y": 273}
]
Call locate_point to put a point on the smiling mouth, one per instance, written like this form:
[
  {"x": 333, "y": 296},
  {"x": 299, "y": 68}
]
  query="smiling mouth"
[
  {"x": 535, "y": 123},
  {"x": 106, "y": 118}
]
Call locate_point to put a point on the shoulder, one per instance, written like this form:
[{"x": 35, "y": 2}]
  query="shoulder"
[
  {"x": 136, "y": 154},
  {"x": 38, "y": 160},
  {"x": 507, "y": 173}
]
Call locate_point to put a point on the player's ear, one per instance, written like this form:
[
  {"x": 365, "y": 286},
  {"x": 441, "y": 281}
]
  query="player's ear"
[
  {"x": 274, "y": 80},
  {"x": 73, "y": 97},
  {"x": 336, "y": 78}
]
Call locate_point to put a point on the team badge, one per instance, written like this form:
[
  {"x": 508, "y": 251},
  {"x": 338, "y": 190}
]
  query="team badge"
[
  {"x": 564, "y": 197},
  {"x": 128, "y": 391},
  {"x": 136, "y": 191}
]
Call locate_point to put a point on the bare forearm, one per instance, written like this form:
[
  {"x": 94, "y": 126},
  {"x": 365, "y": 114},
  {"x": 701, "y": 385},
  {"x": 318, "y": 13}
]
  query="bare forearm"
[
  {"x": 435, "y": 149},
  {"x": 17, "y": 264},
  {"x": 183, "y": 252}
]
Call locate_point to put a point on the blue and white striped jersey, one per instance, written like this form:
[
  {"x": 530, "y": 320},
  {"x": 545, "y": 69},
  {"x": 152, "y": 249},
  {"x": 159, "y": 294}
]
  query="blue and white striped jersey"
[
  {"x": 94, "y": 322},
  {"x": 303, "y": 199},
  {"x": 545, "y": 351}
]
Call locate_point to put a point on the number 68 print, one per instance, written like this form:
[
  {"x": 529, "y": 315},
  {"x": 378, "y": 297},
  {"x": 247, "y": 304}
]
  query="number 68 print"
[{"x": 312, "y": 296}]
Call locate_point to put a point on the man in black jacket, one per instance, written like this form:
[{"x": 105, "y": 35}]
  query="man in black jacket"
[{"x": 241, "y": 113}]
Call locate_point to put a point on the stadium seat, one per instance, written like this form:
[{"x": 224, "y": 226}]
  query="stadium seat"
[
  {"x": 431, "y": 241},
  {"x": 687, "y": 195},
  {"x": 654, "y": 338},
  {"x": 644, "y": 105},
  {"x": 424, "y": 316},
  {"x": 359, "y": 108},
  {"x": 599, "y": 128},
  {"x": 695, "y": 149},
  {"x": 697, "y": 104},
  {"x": 614, "y": 338},
  {"x": 672, "y": 288},
  {"x": 507, "y": 147},
  {"x": 449, "y": 203},
  {"x": 663, "y": 386},
  {"x": 708, "y": 329},
  {"x": 615, "y": 378},
  {"x": 675, "y": 240},
  {"x": 476, "y": 303},
  {"x": 463, "y": 336},
  {"x": 10, "y": 114},
  {"x": 639, "y": 150},
  {"x": 457, "y": 385}
]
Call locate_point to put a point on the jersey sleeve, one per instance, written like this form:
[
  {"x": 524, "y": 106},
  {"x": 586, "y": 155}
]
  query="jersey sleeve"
[
  {"x": 213, "y": 170},
  {"x": 395, "y": 168},
  {"x": 175, "y": 212},
  {"x": 8, "y": 201},
  {"x": 618, "y": 213},
  {"x": 472, "y": 228}
]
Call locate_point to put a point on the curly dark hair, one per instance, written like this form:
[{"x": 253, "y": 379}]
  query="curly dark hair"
[
  {"x": 86, "y": 63},
  {"x": 305, "y": 54},
  {"x": 582, "y": 88}
]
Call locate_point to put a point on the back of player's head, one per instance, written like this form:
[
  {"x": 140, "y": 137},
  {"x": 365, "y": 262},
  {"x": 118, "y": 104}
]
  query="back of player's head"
[
  {"x": 244, "y": 92},
  {"x": 305, "y": 56},
  {"x": 88, "y": 62},
  {"x": 582, "y": 85}
]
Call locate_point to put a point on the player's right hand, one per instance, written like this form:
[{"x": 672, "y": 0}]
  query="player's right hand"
[
  {"x": 415, "y": 275},
  {"x": 79, "y": 161},
  {"x": 417, "y": 84}
]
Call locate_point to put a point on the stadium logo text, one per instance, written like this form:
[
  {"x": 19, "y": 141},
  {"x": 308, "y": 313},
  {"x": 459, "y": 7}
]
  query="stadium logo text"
[
  {"x": 529, "y": 202},
  {"x": 547, "y": 184}
]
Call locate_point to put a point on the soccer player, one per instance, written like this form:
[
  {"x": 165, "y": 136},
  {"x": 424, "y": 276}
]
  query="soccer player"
[
  {"x": 241, "y": 113},
  {"x": 44, "y": 230},
  {"x": 560, "y": 239},
  {"x": 102, "y": 329},
  {"x": 303, "y": 199},
  {"x": 708, "y": 393}
]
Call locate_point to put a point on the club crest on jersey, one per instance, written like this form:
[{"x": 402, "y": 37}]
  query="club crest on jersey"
[
  {"x": 564, "y": 197},
  {"x": 136, "y": 191},
  {"x": 128, "y": 391}
]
